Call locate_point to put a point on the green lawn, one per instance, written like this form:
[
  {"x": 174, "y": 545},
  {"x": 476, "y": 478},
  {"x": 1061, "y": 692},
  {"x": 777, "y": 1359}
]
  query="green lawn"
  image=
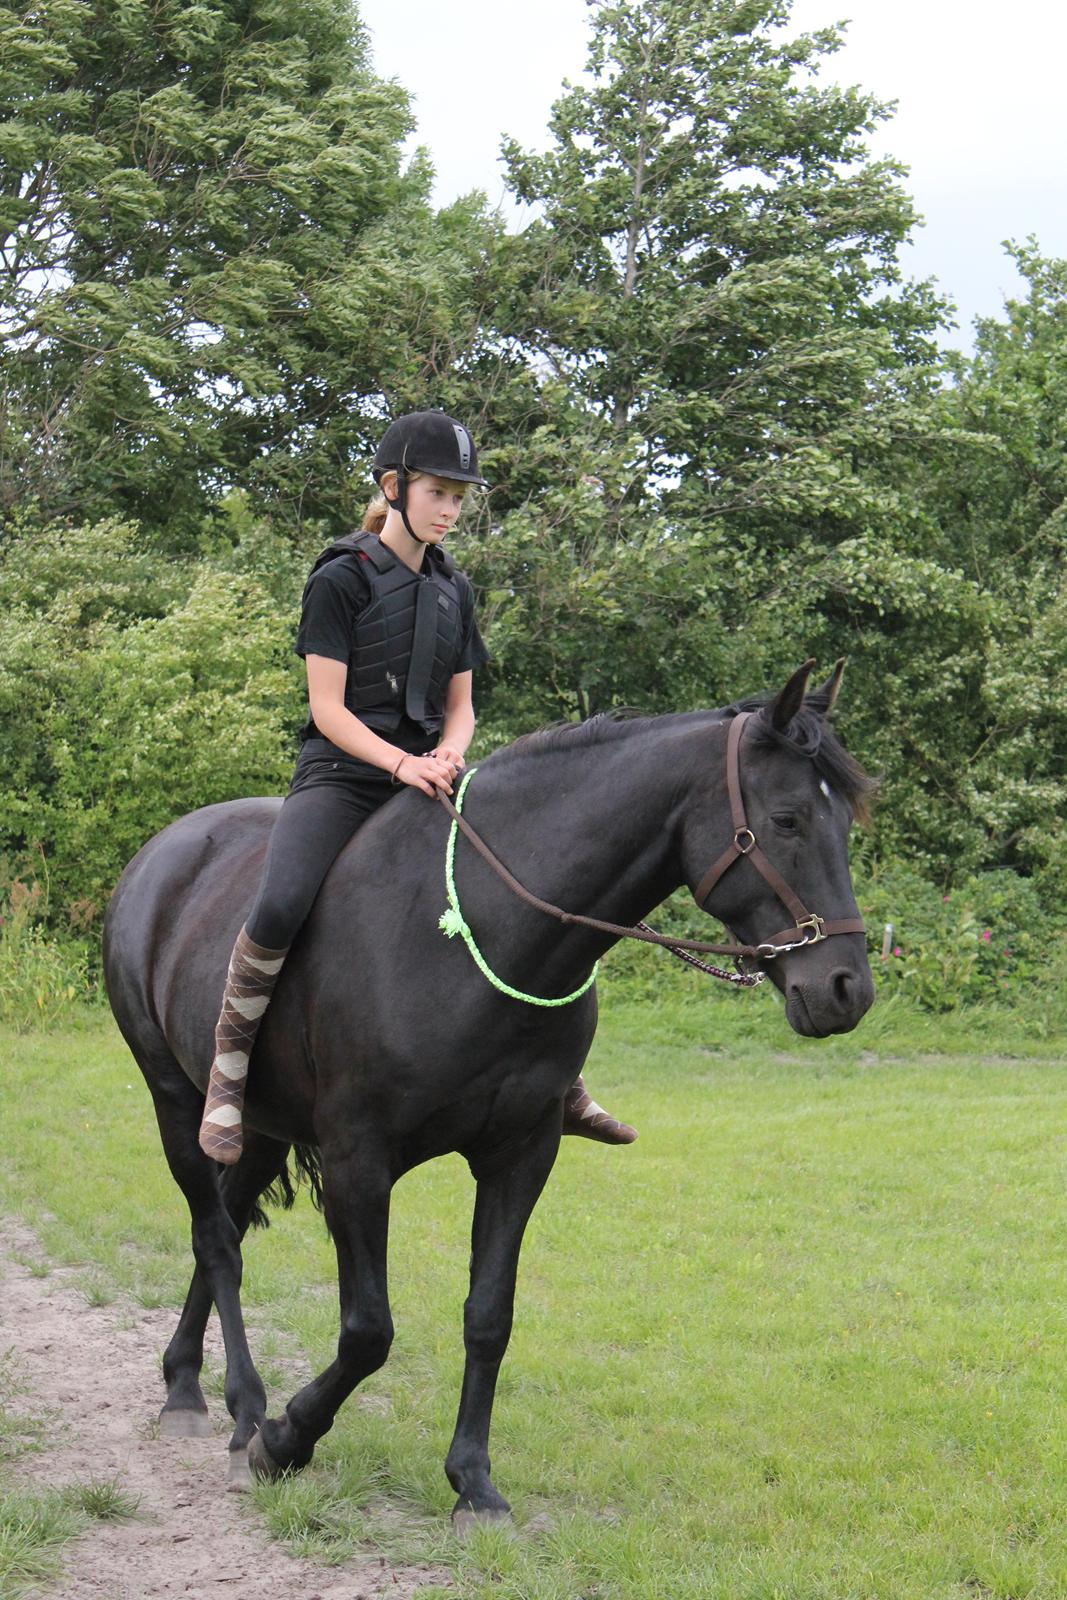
[{"x": 804, "y": 1340}]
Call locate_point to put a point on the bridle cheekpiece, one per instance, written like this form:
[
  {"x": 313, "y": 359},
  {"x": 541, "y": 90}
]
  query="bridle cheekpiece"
[{"x": 808, "y": 927}]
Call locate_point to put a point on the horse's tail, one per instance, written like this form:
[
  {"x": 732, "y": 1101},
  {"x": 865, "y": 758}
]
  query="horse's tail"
[{"x": 306, "y": 1168}]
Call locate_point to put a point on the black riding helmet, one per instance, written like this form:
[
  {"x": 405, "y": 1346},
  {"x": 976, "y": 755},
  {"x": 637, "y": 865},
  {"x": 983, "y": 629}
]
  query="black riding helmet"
[{"x": 426, "y": 441}]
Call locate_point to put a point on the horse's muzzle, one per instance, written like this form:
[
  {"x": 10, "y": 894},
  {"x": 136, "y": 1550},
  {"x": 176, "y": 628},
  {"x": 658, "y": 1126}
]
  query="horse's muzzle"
[{"x": 830, "y": 1002}]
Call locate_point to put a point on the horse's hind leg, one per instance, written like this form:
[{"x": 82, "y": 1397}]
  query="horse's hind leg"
[
  {"x": 501, "y": 1211},
  {"x": 185, "y": 1413},
  {"x": 216, "y": 1247}
]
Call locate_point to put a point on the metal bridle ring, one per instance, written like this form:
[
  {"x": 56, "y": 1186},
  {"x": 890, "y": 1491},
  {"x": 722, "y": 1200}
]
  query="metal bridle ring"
[{"x": 743, "y": 850}]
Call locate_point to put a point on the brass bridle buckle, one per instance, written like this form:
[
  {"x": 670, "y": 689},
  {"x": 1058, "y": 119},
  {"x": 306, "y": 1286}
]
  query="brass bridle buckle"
[
  {"x": 811, "y": 930},
  {"x": 743, "y": 849}
]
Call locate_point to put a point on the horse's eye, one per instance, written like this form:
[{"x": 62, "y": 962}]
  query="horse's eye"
[{"x": 786, "y": 821}]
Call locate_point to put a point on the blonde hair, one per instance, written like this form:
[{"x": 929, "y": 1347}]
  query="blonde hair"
[{"x": 376, "y": 513}]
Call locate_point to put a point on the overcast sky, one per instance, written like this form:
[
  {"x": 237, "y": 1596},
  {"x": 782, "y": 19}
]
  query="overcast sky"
[{"x": 979, "y": 123}]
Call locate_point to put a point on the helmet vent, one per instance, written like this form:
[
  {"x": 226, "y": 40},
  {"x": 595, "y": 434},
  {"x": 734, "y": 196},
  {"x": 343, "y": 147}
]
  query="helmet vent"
[{"x": 463, "y": 440}]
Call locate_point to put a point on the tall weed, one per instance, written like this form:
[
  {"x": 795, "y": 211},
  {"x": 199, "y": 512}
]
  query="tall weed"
[{"x": 41, "y": 974}]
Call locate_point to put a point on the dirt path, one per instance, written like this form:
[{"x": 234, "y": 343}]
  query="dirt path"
[{"x": 93, "y": 1373}]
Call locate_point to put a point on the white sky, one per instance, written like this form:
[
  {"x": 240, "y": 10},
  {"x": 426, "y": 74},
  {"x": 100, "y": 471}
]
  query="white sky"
[{"x": 980, "y": 119}]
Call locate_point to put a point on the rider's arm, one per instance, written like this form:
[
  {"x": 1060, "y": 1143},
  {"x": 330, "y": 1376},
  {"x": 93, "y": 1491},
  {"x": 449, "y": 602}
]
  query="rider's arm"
[
  {"x": 458, "y": 730},
  {"x": 326, "y": 693}
]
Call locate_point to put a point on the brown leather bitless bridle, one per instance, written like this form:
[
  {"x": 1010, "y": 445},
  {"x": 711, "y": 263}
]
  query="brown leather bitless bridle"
[{"x": 808, "y": 928}]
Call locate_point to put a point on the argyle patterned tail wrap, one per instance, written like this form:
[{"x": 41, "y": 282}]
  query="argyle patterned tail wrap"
[{"x": 250, "y": 980}]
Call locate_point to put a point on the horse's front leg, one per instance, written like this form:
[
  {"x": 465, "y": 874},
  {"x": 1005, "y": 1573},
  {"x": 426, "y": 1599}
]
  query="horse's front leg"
[
  {"x": 356, "y": 1189},
  {"x": 501, "y": 1211}
]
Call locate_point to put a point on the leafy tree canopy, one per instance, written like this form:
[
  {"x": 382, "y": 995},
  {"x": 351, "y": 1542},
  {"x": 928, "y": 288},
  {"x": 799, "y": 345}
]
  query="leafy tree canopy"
[{"x": 214, "y": 267}]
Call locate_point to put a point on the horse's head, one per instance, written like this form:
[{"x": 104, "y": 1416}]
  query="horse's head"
[{"x": 782, "y": 878}]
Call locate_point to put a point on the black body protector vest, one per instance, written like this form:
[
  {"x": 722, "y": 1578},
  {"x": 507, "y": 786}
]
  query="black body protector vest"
[{"x": 408, "y": 639}]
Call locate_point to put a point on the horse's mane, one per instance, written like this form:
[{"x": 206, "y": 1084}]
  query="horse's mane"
[
  {"x": 606, "y": 727},
  {"x": 808, "y": 734}
]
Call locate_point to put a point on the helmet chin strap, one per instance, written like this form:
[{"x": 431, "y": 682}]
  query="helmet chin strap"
[{"x": 400, "y": 503}]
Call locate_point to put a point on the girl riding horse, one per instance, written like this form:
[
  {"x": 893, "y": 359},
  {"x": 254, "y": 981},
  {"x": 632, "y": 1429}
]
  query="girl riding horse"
[{"x": 390, "y": 641}]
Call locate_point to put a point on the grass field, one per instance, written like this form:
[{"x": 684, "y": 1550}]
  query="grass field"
[{"x": 804, "y": 1341}]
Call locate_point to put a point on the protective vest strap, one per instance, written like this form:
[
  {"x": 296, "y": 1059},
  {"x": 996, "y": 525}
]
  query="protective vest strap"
[
  {"x": 378, "y": 554},
  {"x": 423, "y": 647}
]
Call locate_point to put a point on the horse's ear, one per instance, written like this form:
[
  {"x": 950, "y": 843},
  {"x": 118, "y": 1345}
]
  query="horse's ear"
[
  {"x": 785, "y": 705},
  {"x": 824, "y": 698}
]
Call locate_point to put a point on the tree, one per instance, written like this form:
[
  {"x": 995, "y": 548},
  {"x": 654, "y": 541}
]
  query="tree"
[
  {"x": 956, "y": 626},
  {"x": 999, "y": 502},
  {"x": 215, "y": 271},
  {"x": 719, "y": 239},
  {"x": 727, "y": 355}
]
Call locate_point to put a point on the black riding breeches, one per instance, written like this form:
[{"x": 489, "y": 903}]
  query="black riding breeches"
[{"x": 327, "y": 801}]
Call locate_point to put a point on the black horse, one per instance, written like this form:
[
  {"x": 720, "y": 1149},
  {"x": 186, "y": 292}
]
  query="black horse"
[{"x": 385, "y": 1045}]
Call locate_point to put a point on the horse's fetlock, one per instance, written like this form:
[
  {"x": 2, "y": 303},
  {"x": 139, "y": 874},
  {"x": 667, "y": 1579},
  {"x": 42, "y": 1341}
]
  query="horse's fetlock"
[
  {"x": 285, "y": 1450},
  {"x": 181, "y": 1369},
  {"x": 245, "y": 1396},
  {"x": 183, "y": 1390},
  {"x": 465, "y": 1465}
]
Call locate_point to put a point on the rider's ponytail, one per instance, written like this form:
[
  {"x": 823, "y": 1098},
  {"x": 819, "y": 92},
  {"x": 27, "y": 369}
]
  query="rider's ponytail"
[{"x": 376, "y": 513}]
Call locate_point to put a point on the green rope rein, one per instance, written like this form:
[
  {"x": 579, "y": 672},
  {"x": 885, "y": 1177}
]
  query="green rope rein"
[{"x": 452, "y": 922}]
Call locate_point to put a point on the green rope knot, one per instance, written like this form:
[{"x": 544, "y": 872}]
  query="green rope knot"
[{"x": 451, "y": 922}]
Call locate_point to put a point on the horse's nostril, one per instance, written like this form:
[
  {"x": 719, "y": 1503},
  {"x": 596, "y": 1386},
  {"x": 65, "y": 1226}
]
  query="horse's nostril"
[{"x": 843, "y": 984}]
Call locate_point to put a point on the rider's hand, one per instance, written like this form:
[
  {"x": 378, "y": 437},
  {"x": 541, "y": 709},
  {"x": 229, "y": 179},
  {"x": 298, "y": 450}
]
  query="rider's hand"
[
  {"x": 428, "y": 773},
  {"x": 451, "y": 756}
]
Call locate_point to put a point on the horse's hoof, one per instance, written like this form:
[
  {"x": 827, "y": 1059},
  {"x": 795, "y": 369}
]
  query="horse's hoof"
[
  {"x": 175, "y": 1424},
  {"x": 239, "y": 1470},
  {"x": 465, "y": 1521},
  {"x": 261, "y": 1463}
]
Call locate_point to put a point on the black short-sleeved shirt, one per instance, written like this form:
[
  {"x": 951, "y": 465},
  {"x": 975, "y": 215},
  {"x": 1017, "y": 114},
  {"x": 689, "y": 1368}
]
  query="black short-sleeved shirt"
[{"x": 334, "y": 599}]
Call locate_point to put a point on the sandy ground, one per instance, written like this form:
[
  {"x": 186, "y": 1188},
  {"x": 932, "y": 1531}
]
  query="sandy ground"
[{"x": 92, "y": 1373}]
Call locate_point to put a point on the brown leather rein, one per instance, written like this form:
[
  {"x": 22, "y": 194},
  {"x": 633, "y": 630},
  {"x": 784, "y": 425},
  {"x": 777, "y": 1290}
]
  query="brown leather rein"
[{"x": 808, "y": 929}]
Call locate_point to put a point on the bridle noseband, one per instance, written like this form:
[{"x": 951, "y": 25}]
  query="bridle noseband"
[{"x": 808, "y": 928}]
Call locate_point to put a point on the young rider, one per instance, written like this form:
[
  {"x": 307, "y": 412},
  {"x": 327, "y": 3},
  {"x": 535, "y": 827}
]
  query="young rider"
[{"x": 390, "y": 642}]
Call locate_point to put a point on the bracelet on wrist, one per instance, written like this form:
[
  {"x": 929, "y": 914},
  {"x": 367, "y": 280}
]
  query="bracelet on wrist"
[{"x": 396, "y": 769}]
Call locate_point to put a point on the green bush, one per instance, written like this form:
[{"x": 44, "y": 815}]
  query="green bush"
[
  {"x": 982, "y": 940},
  {"x": 988, "y": 940},
  {"x": 116, "y": 719}
]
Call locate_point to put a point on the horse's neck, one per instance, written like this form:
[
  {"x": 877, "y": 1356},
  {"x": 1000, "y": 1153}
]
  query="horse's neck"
[{"x": 590, "y": 829}]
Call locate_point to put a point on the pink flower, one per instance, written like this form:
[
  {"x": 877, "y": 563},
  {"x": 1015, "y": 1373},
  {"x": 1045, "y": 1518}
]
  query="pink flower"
[
  {"x": 987, "y": 934},
  {"x": 944, "y": 899},
  {"x": 897, "y": 951}
]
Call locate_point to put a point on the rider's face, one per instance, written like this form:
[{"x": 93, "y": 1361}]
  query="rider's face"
[{"x": 433, "y": 506}]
